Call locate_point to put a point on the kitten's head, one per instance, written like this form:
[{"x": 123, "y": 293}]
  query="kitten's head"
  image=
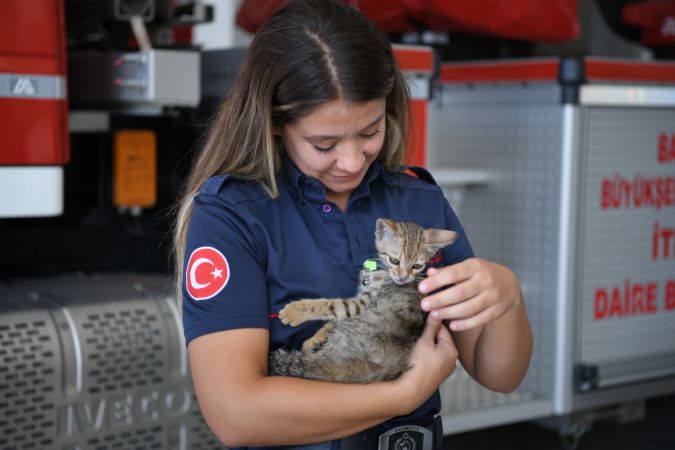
[{"x": 405, "y": 247}]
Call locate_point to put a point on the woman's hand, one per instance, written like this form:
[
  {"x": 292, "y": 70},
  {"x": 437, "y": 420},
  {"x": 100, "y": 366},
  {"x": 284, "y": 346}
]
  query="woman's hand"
[
  {"x": 484, "y": 304},
  {"x": 481, "y": 292},
  {"x": 433, "y": 360}
]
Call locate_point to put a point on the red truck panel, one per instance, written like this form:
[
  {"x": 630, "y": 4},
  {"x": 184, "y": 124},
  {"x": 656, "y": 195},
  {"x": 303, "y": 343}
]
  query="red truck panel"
[{"x": 33, "y": 108}]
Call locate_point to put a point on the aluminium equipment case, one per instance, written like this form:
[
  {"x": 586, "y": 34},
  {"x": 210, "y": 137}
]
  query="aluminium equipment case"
[{"x": 565, "y": 172}]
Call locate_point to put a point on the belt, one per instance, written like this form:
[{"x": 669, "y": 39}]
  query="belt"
[{"x": 403, "y": 437}]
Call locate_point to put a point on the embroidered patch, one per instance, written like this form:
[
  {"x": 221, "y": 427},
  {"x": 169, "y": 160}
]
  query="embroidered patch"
[
  {"x": 207, "y": 273},
  {"x": 436, "y": 260}
]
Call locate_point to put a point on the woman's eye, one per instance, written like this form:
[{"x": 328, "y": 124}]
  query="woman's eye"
[
  {"x": 371, "y": 136},
  {"x": 417, "y": 266},
  {"x": 324, "y": 149},
  {"x": 394, "y": 261}
]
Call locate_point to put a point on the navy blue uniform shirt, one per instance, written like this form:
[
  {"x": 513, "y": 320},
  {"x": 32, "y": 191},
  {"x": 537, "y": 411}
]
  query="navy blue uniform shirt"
[{"x": 248, "y": 255}]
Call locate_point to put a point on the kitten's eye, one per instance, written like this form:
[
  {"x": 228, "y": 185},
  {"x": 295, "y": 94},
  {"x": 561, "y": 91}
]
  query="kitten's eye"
[
  {"x": 417, "y": 266},
  {"x": 394, "y": 261}
]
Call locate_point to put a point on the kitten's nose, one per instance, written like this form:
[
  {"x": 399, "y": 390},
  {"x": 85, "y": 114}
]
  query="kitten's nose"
[{"x": 402, "y": 278}]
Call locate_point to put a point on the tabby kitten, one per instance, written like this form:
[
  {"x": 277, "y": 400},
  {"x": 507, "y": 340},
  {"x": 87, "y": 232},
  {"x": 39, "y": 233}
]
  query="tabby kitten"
[{"x": 368, "y": 337}]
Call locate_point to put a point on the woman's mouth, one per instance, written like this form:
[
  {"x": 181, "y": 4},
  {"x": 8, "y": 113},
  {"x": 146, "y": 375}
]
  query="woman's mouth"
[{"x": 348, "y": 178}]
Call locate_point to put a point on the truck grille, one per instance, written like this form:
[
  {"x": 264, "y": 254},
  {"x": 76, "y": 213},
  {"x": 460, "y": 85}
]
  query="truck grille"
[
  {"x": 95, "y": 363},
  {"x": 29, "y": 355},
  {"x": 123, "y": 350}
]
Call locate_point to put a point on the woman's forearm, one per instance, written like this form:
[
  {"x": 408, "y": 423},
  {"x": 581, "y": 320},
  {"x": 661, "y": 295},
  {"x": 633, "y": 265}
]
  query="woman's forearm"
[
  {"x": 285, "y": 410},
  {"x": 503, "y": 349},
  {"x": 484, "y": 305},
  {"x": 245, "y": 407}
]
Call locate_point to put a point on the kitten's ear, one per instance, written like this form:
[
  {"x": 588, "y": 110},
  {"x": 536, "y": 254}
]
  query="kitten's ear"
[
  {"x": 385, "y": 229},
  {"x": 436, "y": 239},
  {"x": 386, "y": 236}
]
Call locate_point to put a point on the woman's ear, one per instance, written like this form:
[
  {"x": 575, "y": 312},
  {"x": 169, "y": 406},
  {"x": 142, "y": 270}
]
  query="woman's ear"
[{"x": 276, "y": 131}]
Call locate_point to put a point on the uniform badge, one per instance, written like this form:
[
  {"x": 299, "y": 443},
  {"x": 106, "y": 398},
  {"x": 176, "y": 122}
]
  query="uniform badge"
[
  {"x": 436, "y": 260},
  {"x": 207, "y": 273},
  {"x": 407, "y": 437}
]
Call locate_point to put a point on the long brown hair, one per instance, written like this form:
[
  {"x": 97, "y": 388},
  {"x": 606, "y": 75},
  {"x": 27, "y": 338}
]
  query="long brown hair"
[{"x": 308, "y": 53}]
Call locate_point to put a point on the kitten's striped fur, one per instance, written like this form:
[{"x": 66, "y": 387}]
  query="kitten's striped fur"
[{"x": 368, "y": 337}]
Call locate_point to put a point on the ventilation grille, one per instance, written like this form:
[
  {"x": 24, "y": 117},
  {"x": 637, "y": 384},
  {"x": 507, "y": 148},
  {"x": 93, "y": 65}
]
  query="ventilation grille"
[
  {"x": 123, "y": 349},
  {"x": 78, "y": 377},
  {"x": 141, "y": 439},
  {"x": 28, "y": 366}
]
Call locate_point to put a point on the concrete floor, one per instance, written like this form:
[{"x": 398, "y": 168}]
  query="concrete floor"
[{"x": 655, "y": 432}]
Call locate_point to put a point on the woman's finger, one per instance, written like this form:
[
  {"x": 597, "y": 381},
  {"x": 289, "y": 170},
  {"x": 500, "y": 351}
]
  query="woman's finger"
[
  {"x": 455, "y": 294},
  {"x": 444, "y": 338},
  {"x": 480, "y": 319},
  {"x": 438, "y": 278},
  {"x": 463, "y": 310},
  {"x": 431, "y": 329}
]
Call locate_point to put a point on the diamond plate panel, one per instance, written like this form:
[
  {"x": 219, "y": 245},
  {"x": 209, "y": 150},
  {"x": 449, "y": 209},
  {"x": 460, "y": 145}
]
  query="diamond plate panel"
[{"x": 512, "y": 219}]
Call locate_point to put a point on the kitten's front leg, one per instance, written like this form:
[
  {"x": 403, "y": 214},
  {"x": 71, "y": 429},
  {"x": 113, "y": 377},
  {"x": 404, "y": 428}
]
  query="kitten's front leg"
[{"x": 301, "y": 311}]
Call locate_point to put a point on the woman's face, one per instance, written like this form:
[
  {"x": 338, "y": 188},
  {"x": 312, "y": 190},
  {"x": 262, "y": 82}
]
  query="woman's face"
[{"x": 336, "y": 143}]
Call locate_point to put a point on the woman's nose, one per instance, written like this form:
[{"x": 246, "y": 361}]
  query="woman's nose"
[{"x": 351, "y": 158}]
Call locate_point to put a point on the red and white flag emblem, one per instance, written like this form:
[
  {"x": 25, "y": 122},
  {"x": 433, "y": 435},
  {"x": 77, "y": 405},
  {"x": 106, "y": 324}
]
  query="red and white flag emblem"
[{"x": 207, "y": 273}]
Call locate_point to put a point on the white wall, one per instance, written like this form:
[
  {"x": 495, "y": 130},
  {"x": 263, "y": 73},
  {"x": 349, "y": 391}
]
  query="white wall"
[{"x": 222, "y": 32}]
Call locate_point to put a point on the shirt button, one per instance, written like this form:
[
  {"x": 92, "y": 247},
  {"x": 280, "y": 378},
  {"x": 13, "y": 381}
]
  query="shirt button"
[{"x": 327, "y": 208}]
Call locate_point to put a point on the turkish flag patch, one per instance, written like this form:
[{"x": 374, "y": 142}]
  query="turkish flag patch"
[{"x": 207, "y": 273}]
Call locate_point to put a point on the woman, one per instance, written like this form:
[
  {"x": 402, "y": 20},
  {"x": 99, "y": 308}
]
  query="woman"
[{"x": 303, "y": 157}]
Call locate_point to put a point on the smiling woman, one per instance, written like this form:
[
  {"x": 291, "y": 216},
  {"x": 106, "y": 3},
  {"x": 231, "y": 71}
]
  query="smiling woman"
[
  {"x": 303, "y": 158},
  {"x": 336, "y": 144}
]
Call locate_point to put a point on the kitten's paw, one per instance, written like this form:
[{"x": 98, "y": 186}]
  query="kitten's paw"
[
  {"x": 296, "y": 313},
  {"x": 313, "y": 345},
  {"x": 316, "y": 342}
]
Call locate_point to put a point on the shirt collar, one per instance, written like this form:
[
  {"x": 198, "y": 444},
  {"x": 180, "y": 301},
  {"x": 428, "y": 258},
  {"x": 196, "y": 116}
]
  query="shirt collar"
[{"x": 299, "y": 183}]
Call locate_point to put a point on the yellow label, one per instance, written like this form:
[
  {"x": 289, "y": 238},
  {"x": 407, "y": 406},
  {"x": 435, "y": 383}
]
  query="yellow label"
[{"x": 135, "y": 168}]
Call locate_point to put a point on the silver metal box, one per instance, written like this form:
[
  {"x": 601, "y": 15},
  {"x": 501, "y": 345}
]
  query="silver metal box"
[
  {"x": 575, "y": 191},
  {"x": 155, "y": 78}
]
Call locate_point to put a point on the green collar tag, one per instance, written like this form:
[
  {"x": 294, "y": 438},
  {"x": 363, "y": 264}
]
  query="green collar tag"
[{"x": 370, "y": 265}]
